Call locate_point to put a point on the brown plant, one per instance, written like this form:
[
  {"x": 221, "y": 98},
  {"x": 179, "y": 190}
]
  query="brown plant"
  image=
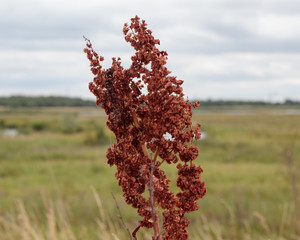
[{"x": 148, "y": 114}]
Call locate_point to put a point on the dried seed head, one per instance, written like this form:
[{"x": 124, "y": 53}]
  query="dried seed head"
[{"x": 143, "y": 103}]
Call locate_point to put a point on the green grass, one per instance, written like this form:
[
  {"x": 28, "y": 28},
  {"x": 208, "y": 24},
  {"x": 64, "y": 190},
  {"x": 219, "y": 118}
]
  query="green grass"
[{"x": 244, "y": 171}]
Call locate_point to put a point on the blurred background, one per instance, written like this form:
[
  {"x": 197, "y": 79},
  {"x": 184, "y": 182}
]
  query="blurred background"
[{"x": 239, "y": 58}]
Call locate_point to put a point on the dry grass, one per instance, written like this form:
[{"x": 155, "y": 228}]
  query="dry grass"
[
  {"x": 26, "y": 226},
  {"x": 56, "y": 226}
]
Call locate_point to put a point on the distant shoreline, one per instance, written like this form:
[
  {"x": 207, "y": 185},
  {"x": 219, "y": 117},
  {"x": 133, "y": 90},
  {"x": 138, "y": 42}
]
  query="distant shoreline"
[{"x": 59, "y": 101}]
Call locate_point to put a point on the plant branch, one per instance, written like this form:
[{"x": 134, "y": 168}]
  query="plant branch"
[
  {"x": 135, "y": 231},
  {"x": 121, "y": 218},
  {"x": 154, "y": 213},
  {"x": 155, "y": 155},
  {"x": 151, "y": 184},
  {"x": 136, "y": 123}
]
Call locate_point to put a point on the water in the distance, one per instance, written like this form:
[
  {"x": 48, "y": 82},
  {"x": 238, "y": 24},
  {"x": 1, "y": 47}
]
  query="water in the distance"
[{"x": 10, "y": 132}]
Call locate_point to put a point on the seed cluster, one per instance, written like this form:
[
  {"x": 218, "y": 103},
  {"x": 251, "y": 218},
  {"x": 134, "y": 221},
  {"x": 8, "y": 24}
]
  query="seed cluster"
[{"x": 148, "y": 114}]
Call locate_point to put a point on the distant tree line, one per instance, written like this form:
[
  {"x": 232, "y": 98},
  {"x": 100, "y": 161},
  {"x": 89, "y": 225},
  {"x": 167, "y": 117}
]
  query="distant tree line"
[
  {"x": 244, "y": 103},
  {"x": 55, "y": 101}
]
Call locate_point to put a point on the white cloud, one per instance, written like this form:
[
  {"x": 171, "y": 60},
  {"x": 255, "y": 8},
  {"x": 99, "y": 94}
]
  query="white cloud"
[
  {"x": 251, "y": 64},
  {"x": 279, "y": 26}
]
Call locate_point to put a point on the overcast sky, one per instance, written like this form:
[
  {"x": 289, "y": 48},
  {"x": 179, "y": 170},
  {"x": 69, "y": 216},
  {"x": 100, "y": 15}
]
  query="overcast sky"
[{"x": 230, "y": 49}]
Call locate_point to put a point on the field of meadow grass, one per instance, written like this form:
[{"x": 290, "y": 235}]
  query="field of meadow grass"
[{"x": 55, "y": 183}]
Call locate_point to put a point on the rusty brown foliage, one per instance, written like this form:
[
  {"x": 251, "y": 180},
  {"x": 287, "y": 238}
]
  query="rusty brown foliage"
[{"x": 148, "y": 114}]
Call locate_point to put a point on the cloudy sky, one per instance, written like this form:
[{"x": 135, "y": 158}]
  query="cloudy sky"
[{"x": 225, "y": 49}]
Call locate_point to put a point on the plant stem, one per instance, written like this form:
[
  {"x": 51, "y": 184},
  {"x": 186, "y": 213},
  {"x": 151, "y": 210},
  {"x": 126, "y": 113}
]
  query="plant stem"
[
  {"x": 155, "y": 218},
  {"x": 120, "y": 216},
  {"x": 135, "y": 231},
  {"x": 136, "y": 123},
  {"x": 154, "y": 212}
]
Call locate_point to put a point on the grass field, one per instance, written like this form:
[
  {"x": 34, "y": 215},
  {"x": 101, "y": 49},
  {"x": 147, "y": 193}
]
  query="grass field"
[{"x": 49, "y": 169}]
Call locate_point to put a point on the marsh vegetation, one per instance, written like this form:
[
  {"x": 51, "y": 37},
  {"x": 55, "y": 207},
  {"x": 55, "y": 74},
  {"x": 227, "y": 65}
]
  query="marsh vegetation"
[{"x": 50, "y": 168}]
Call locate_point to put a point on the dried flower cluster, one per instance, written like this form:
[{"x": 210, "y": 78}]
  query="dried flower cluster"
[{"x": 148, "y": 114}]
